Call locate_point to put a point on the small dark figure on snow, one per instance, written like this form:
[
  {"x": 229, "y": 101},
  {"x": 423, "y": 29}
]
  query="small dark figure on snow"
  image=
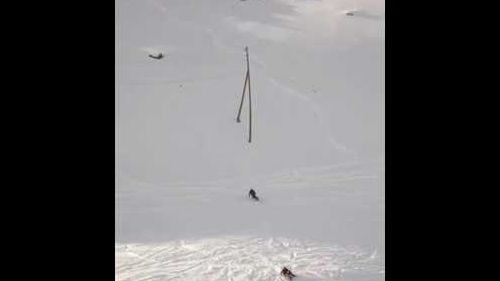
[
  {"x": 252, "y": 195},
  {"x": 159, "y": 56},
  {"x": 287, "y": 273}
]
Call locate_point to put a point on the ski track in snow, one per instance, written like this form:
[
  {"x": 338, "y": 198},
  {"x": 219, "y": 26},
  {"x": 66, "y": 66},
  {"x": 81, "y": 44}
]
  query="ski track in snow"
[{"x": 240, "y": 258}]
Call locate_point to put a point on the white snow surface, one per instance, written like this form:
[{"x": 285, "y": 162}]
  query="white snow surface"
[
  {"x": 184, "y": 166},
  {"x": 240, "y": 258}
]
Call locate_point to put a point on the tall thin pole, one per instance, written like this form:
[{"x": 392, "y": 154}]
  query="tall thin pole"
[
  {"x": 249, "y": 99},
  {"x": 242, "y": 98}
]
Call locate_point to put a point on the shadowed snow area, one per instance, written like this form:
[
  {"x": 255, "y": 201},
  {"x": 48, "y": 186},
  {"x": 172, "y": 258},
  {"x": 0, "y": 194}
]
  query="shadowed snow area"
[{"x": 184, "y": 166}]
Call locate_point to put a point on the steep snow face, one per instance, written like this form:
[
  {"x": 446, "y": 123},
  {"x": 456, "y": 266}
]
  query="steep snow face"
[
  {"x": 184, "y": 166},
  {"x": 316, "y": 77}
]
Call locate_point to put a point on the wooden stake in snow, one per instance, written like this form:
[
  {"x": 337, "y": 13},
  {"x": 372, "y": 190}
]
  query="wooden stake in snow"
[{"x": 247, "y": 81}]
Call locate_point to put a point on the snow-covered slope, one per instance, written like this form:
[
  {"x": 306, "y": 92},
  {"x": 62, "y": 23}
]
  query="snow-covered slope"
[
  {"x": 323, "y": 223},
  {"x": 242, "y": 258},
  {"x": 183, "y": 165}
]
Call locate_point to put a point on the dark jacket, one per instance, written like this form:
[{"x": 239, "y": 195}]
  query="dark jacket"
[
  {"x": 287, "y": 273},
  {"x": 253, "y": 195}
]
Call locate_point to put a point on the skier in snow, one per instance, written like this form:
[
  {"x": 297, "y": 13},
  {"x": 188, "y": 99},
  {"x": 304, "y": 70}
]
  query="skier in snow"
[
  {"x": 253, "y": 195},
  {"x": 287, "y": 273}
]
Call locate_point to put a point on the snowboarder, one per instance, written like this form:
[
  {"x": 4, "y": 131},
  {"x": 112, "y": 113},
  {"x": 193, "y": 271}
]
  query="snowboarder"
[
  {"x": 159, "y": 56},
  {"x": 253, "y": 195},
  {"x": 287, "y": 273}
]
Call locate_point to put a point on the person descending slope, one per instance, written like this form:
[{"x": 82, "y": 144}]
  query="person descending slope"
[
  {"x": 253, "y": 195},
  {"x": 287, "y": 273}
]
